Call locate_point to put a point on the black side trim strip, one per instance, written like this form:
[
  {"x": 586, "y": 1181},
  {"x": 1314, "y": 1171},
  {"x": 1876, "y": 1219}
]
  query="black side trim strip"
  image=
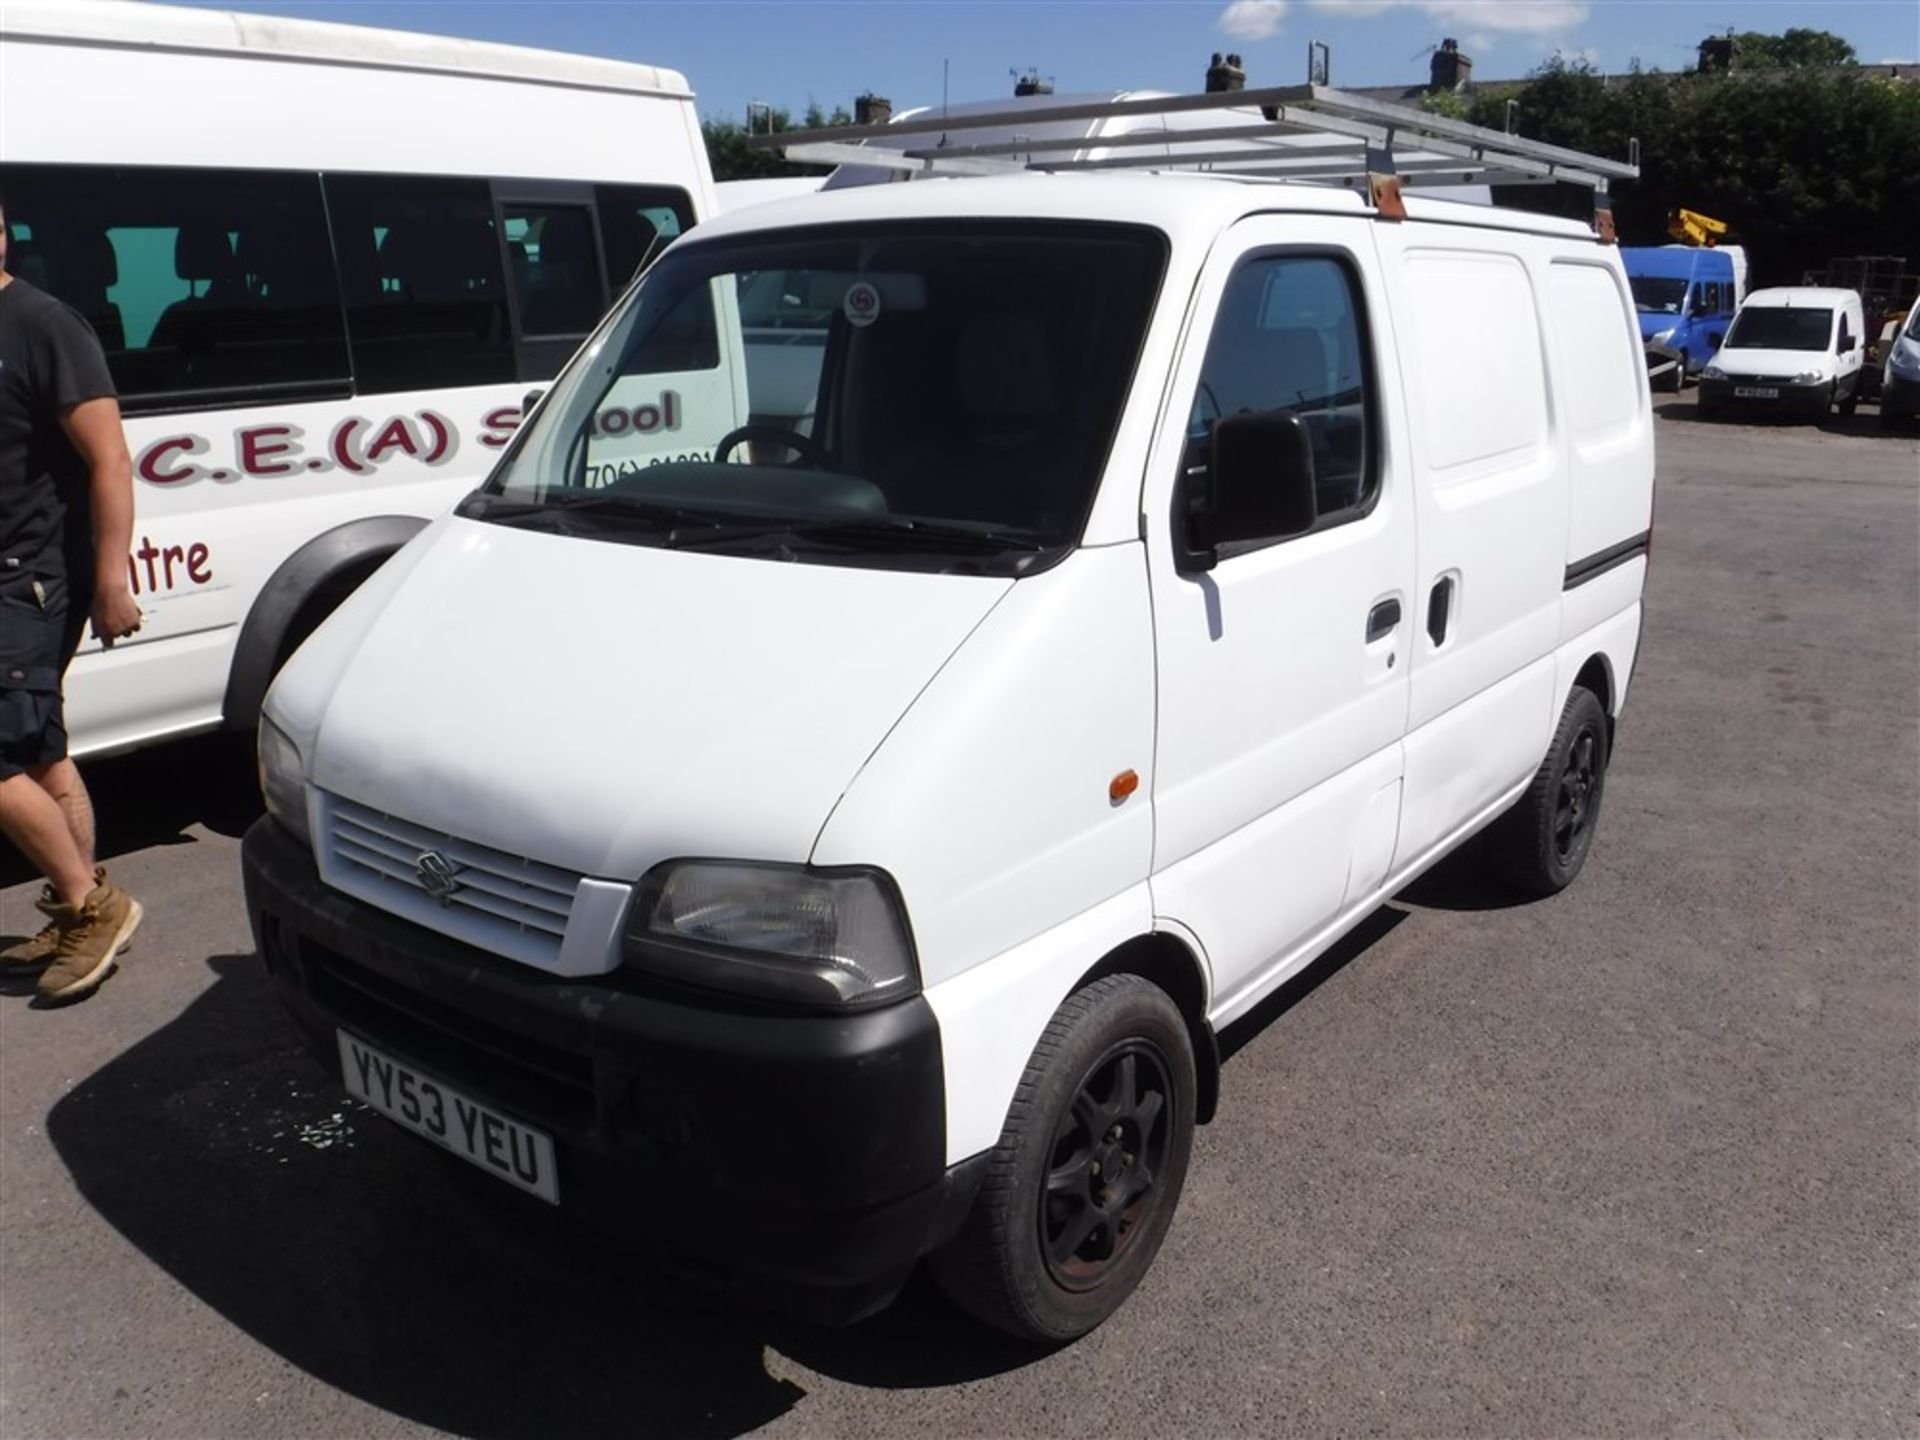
[{"x": 1601, "y": 561}]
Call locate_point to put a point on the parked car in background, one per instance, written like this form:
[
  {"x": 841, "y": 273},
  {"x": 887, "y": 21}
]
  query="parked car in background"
[
  {"x": 1798, "y": 351},
  {"x": 1900, "y": 376},
  {"x": 1686, "y": 296},
  {"x": 326, "y": 263}
]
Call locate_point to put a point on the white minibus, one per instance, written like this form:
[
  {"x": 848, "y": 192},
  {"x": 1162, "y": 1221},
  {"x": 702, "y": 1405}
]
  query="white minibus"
[{"x": 327, "y": 264}]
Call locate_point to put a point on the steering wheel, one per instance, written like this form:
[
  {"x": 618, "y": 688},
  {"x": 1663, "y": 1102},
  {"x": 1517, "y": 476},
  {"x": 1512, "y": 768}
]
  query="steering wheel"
[{"x": 808, "y": 449}]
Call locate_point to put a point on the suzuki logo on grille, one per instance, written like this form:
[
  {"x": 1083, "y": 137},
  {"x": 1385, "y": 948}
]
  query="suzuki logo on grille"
[{"x": 437, "y": 876}]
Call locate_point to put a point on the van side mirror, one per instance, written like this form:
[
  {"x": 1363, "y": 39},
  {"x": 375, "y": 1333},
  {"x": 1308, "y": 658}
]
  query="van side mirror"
[
  {"x": 531, "y": 399},
  {"x": 1258, "y": 486}
]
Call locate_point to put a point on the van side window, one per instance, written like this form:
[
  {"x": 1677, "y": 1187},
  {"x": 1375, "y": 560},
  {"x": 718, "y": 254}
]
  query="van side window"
[
  {"x": 420, "y": 265},
  {"x": 632, "y": 218},
  {"x": 1288, "y": 337},
  {"x": 204, "y": 284},
  {"x": 555, "y": 267},
  {"x": 1710, "y": 298}
]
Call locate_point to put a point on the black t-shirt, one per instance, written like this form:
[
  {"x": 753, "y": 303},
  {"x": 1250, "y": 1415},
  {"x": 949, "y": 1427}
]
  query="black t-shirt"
[{"x": 50, "y": 361}]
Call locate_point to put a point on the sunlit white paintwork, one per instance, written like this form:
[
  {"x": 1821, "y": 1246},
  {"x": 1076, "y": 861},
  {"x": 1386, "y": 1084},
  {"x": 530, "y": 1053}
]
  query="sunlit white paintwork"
[
  {"x": 172, "y": 86},
  {"x": 979, "y": 724}
]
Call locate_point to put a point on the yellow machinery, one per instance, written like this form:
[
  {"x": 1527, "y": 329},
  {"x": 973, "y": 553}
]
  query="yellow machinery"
[{"x": 1690, "y": 227}]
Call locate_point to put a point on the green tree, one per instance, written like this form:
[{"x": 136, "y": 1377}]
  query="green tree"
[
  {"x": 1804, "y": 163},
  {"x": 732, "y": 159},
  {"x": 1793, "y": 50}
]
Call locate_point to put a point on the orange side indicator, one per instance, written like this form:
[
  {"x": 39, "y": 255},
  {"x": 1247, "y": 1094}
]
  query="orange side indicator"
[{"x": 1122, "y": 785}]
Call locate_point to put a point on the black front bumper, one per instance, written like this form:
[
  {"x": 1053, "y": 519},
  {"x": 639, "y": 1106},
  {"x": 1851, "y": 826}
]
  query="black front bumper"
[
  {"x": 1791, "y": 399},
  {"x": 800, "y": 1155}
]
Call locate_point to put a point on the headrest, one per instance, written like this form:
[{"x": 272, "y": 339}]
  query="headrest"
[
  {"x": 92, "y": 256},
  {"x": 201, "y": 252}
]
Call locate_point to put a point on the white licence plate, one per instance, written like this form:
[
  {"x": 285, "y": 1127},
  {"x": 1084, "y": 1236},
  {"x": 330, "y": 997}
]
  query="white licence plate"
[
  {"x": 517, "y": 1153},
  {"x": 1756, "y": 392}
]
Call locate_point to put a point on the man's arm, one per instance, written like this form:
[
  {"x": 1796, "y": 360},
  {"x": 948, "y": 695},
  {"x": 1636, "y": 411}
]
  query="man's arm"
[{"x": 94, "y": 428}]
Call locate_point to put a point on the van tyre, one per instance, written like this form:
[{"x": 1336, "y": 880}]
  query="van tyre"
[
  {"x": 1080, "y": 1190},
  {"x": 1540, "y": 844}
]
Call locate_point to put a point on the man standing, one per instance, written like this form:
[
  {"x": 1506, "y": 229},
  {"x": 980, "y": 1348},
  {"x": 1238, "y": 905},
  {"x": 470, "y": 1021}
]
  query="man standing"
[{"x": 66, "y": 521}]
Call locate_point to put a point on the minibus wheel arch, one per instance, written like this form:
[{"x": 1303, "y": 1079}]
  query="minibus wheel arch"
[
  {"x": 308, "y": 587},
  {"x": 1171, "y": 965}
]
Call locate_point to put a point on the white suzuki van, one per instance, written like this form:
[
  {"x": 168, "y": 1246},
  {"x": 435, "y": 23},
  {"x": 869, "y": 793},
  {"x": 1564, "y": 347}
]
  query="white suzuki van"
[
  {"x": 1796, "y": 351},
  {"x": 828, "y": 831}
]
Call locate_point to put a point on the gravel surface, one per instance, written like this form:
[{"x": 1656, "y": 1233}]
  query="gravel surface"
[{"x": 1640, "y": 1159}]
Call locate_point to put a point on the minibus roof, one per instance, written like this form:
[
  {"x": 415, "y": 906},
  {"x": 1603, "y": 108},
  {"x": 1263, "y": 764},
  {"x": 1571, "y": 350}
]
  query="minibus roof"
[{"x": 129, "y": 25}]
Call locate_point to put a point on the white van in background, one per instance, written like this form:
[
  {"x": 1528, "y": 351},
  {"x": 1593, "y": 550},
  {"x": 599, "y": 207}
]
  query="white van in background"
[
  {"x": 811, "y": 867},
  {"x": 327, "y": 263},
  {"x": 1797, "y": 350}
]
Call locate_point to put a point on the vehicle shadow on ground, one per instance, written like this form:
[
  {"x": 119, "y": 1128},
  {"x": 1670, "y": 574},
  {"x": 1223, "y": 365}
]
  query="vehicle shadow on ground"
[
  {"x": 153, "y": 797},
  {"x": 220, "y": 1149},
  {"x": 1863, "y": 422}
]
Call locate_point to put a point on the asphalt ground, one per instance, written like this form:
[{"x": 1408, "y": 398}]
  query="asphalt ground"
[{"x": 1641, "y": 1159}]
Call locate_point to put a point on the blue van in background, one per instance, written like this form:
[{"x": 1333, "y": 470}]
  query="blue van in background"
[{"x": 1686, "y": 296}]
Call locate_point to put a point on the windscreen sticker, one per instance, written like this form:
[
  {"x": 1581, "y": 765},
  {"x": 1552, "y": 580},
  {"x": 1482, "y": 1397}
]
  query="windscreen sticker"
[{"x": 861, "y": 305}]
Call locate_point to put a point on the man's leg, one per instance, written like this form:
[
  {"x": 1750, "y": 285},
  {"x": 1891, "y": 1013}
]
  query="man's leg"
[
  {"x": 36, "y": 822},
  {"x": 62, "y": 781}
]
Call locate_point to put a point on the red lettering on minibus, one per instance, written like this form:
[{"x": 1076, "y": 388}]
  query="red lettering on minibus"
[
  {"x": 261, "y": 443},
  {"x": 197, "y": 556},
  {"x": 149, "y": 464},
  {"x": 396, "y": 434},
  {"x": 498, "y": 426}
]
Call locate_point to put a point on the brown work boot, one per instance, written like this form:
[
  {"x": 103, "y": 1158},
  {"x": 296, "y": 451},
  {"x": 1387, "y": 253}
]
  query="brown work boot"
[
  {"x": 36, "y": 949},
  {"x": 88, "y": 938}
]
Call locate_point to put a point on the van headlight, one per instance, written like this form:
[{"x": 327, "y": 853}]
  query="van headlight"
[
  {"x": 1713, "y": 372},
  {"x": 1661, "y": 337},
  {"x": 1808, "y": 377},
  {"x": 283, "y": 780},
  {"x": 1905, "y": 361},
  {"x": 792, "y": 934}
]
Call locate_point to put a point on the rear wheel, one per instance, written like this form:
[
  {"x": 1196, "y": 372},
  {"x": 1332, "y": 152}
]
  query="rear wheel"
[
  {"x": 1083, "y": 1184},
  {"x": 1540, "y": 845}
]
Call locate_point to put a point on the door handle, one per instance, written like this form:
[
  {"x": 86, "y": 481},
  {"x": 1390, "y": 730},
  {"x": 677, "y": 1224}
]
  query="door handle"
[
  {"x": 1439, "y": 606},
  {"x": 1381, "y": 620}
]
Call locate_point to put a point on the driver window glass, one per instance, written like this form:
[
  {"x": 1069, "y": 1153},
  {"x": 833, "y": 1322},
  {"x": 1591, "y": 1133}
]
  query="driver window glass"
[{"x": 1288, "y": 339}]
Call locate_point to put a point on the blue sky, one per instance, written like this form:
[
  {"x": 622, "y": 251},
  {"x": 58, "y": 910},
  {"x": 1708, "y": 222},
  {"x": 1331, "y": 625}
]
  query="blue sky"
[{"x": 734, "y": 51}]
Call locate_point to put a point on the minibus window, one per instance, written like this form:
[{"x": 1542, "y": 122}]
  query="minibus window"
[
  {"x": 426, "y": 296},
  {"x": 637, "y": 221},
  {"x": 555, "y": 272},
  {"x": 1656, "y": 294},
  {"x": 209, "y": 287}
]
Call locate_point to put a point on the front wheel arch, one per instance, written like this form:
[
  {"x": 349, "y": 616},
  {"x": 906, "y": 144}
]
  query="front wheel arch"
[{"x": 306, "y": 588}]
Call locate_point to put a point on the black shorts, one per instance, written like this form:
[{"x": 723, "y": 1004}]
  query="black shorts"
[{"x": 40, "y": 623}]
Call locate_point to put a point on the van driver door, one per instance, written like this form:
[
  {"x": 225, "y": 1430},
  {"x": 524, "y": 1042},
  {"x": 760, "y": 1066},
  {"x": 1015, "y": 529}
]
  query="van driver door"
[{"x": 1282, "y": 670}]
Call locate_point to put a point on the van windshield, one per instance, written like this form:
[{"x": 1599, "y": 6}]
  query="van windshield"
[
  {"x": 1657, "y": 294},
  {"x": 1776, "y": 327},
  {"x": 910, "y": 396}
]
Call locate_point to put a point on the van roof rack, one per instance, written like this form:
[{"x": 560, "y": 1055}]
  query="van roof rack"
[{"x": 1306, "y": 132}]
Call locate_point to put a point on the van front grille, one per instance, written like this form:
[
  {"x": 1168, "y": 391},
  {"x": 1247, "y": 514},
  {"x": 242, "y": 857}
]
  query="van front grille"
[{"x": 503, "y": 903}]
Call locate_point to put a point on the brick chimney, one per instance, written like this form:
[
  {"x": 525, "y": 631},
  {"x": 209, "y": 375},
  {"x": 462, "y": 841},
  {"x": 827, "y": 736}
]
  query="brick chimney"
[
  {"x": 1450, "y": 69},
  {"x": 872, "y": 109},
  {"x": 1227, "y": 74}
]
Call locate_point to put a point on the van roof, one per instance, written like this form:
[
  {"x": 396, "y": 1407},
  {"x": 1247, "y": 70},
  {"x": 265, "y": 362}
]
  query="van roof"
[
  {"x": 131, "y": 25},
  {"x": 1786, "y": 296},
  {"x": 1180, "y": 204}
]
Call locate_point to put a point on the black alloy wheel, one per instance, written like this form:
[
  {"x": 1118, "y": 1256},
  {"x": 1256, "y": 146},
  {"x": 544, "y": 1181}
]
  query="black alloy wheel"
[
  {"x": 1108, "y": 1152},
  {"x": 1083, "y": 1184},
  {"x": 1541, "y": 843}
]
